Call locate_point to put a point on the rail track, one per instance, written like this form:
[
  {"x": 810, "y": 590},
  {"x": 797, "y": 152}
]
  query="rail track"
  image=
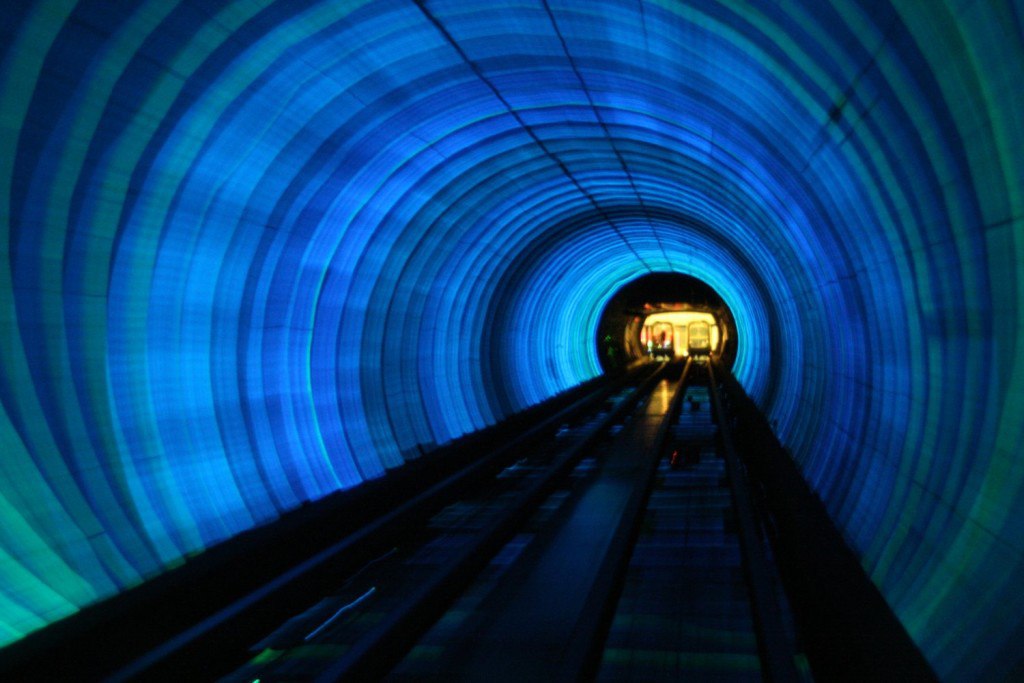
[{"x": 523, "y": 578}]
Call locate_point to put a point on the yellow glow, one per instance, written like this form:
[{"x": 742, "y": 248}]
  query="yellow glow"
[{"x": 680, "y": 320}]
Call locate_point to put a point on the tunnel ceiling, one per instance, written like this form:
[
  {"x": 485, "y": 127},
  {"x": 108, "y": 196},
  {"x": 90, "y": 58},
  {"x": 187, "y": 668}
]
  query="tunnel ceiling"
[{"x": 257, "y": 252}]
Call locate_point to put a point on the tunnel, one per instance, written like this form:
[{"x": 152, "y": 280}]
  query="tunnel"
[
  {"x": 257, "y": 253},
  {"x": 662, "y": 301}
]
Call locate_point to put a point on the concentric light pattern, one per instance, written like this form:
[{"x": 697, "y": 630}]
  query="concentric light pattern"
[{"x": 256, "y": 252}]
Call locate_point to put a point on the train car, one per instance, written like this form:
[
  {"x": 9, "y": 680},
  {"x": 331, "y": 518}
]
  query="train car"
[
  {"x": 698, "y": 339},
  {"x": 659, "y": 340},
  {"x": 668, "y": 334}
]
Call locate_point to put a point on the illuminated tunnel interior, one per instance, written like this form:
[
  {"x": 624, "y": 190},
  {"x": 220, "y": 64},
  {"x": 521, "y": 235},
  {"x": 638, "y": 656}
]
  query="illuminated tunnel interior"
[
  {"x": 649, "y": 299},
  {"x": 257, "y": 252}
]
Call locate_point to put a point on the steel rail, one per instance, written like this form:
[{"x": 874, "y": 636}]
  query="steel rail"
[
  {"x": 773, "y": 647},
  {"x": 379, "y": 649},
  {"x": 848, "y": 630},
  {"x": 582, "y": 657}
]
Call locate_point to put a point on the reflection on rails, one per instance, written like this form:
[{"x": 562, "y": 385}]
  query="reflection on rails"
[{"x": 539, "y": 569}]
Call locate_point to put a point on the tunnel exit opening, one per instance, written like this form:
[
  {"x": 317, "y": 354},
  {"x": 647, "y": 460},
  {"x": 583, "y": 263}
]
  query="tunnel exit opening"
[{"x": 663, "y": 316}]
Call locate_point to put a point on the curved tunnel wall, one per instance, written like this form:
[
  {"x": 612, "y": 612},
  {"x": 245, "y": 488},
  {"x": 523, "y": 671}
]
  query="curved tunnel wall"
[{"x": 258, "y": 252}]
